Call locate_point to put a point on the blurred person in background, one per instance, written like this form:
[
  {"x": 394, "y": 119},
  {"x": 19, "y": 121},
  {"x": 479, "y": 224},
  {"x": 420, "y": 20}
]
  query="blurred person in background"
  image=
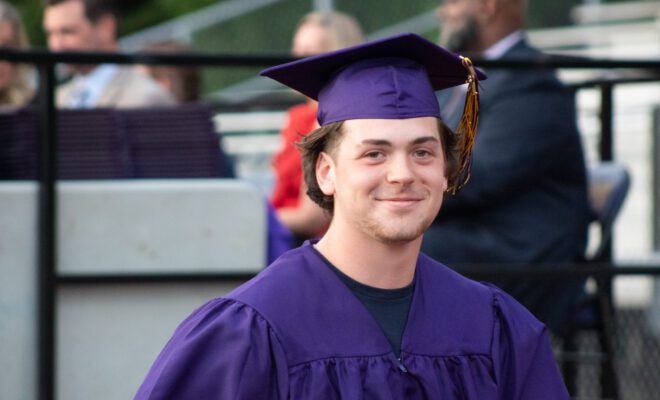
[
  {"x": 182, "y": 81},
  {"x": 16, "y": 80},
  {"x": 317, "y": 32},
  {"x": 527, "y": 197},
  {"x": 89, "y": 25}
]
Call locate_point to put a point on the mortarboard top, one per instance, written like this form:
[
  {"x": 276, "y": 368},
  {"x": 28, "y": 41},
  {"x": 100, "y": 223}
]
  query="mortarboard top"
[{"x": 390, "y": 78}]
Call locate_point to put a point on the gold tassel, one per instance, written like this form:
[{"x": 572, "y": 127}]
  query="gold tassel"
[{"x": 467, "y": 128}]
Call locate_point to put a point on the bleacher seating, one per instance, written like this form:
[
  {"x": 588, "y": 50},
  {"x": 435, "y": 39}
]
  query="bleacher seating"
[
  {"x": 174, "y": 142},
  {"x": 177, "y": 143},
  {"x": 18, "y": 131},
  {"x": 92, "y": 144}
]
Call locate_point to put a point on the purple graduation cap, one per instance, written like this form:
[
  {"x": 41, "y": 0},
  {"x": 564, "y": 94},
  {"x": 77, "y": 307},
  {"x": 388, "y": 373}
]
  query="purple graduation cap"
[{"x": 390, "y": 78}]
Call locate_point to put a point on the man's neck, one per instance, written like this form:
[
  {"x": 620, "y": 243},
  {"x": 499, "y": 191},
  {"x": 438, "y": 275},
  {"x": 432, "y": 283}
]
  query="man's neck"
[
  {"x": 370, "y": 261},
  {"x": 83, "y": 69}
]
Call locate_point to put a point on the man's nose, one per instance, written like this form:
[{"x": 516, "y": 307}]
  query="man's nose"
[{"x": 400, "y": 170}]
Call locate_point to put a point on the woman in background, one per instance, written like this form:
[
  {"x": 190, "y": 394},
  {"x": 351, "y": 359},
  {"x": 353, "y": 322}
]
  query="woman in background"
[
  {"x": 16, "y": 89},
  {"x": 317, "y": 32}
]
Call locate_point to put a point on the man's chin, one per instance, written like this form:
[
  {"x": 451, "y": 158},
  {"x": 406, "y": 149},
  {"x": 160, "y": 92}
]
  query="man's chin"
[
  {"x": 400, "y": 236},
  {"x": 73, "y": 69}
]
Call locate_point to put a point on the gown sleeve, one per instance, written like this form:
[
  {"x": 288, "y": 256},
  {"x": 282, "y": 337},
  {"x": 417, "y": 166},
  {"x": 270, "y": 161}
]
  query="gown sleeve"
[
  {"x": 525, "y": 364},
  {"x": 224, "y": 350}
]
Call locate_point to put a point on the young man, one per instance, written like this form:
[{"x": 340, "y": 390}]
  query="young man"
[
  {"x": 362, "y": 314},
  {"x": 90, "y": 25}
]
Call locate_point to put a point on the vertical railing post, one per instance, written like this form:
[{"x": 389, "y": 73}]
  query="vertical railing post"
[
  {"x": 655, "y": 165},
  {"x": 609, "y": 384},
  {"x": 606, "y": 135},
  {"x": 606, "y": 118},
  {"x": 47, "y": 235}
]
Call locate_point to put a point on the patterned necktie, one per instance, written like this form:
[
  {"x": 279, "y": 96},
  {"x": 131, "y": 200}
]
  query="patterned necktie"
[{"x": 80, "y": 96}]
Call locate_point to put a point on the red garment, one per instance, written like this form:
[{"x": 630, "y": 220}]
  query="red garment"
[{"x": 301, "y": 120}]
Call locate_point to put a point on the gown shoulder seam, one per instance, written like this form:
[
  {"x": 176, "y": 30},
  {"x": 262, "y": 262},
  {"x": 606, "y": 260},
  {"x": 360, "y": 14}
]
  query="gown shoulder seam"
[{"x": 270, "y": 325}]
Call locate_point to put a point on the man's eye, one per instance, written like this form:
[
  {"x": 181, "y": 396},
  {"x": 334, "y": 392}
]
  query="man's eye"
[
  {"x": 422, "y": 153},
  {"x": 374, "y": 155}
]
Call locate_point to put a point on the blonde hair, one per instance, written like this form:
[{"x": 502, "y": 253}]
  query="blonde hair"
[
  {"x": 343, "y": 30},
  {"x": 20, "y": 91}
]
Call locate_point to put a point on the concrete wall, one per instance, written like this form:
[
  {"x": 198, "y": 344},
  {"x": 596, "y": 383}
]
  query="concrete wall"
[
  {"x": 18, "y": 291},
  {"x": 107, "y": 336}
]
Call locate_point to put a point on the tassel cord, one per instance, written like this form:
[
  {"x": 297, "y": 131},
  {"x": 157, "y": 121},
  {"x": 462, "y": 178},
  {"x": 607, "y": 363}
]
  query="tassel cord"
[{"x": 467, "y": 128}]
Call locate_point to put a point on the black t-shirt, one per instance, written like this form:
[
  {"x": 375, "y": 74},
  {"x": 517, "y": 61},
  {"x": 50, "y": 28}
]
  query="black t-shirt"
[{"x": 389, "y": 307}]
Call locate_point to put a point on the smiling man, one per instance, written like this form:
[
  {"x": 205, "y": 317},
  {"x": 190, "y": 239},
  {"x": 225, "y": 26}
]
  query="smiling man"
[{"x": 362, "y": 314}]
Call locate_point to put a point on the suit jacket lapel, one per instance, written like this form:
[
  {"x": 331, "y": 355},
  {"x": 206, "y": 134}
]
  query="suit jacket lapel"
[{"x": 112, "y": 93}]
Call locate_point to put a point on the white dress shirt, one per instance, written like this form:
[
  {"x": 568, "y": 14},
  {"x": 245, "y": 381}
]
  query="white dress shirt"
[{"x": 87, "y": 89}]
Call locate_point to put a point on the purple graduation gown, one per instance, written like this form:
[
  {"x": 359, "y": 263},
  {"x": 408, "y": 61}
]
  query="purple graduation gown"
[{"x": 296, "y": 331}]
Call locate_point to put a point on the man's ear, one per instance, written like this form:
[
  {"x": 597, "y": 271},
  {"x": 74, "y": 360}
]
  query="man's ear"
[{"x": 325, "y": 174}]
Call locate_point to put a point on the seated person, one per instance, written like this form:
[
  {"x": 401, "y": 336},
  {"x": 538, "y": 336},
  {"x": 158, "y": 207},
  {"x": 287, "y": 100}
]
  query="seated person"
[
  {"x": 88, "y": 25},
  {"x": 16, "y": 88},
  {"x": 527, "y": 198}
]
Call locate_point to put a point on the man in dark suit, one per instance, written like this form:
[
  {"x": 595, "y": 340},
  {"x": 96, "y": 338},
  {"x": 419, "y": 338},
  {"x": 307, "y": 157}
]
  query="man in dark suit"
[
  {"x": 526, "y": 201},
  {"x": 90, "y": 25}
]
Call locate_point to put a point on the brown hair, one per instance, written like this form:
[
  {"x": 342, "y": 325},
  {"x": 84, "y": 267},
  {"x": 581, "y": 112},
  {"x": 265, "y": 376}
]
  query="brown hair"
[
  {"x": 94, "y": 9},
  {"x": 185, "y": 80},
  {"x": 326, "y": 139}
]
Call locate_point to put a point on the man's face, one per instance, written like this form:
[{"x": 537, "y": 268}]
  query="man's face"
[
  {"x": 387, "y": 177},
  {"x": 7, "y": 39},
  {"x": 68, "y": 29},
  {"x": 459, "y": 28}
]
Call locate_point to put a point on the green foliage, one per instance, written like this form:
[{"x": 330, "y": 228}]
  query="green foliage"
[
  {"x": 549, "y": 13},
  {"x": 31, "y": 11},
  {"x": 378, "y": 15},
  {"x": 137, "y": 15},
  {"x": 268, "y": 30}
]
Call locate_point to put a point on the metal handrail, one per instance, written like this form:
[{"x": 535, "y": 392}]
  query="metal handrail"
[
  {"x": 544, "y": 61},
  {"x": 569, "y": 271}
]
